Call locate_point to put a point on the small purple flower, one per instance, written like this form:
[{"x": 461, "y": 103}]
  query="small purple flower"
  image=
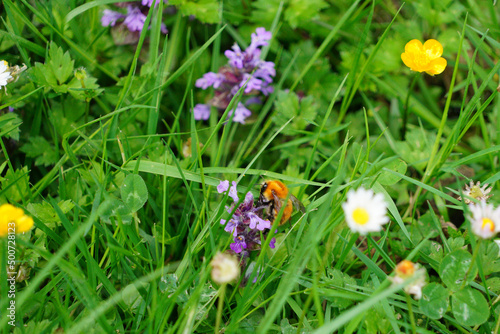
[
  {"x": 231, "y": 227},
  {"x": 109, "y": 17},
  {"x": 135, "y": 19},
  {"x": 241, "y": 113},
  {"x": 235, "y": 57},
  {"x": 272, "y": 243},
  {"x": 259, "y": 223},
  {"x": 260, "y": 37},
  {"x": 209, "y": 79},
  {"x": 238, "y": 244},
  {"x": 201, "y": 112},
  {"x": 223, "y": 186},
  {"x": 251, "y": 83},
  {"x": 233, "y": 193}
]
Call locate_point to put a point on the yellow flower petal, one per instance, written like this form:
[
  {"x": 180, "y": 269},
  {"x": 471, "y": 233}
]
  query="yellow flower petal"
[
  {"x": 407, "y": 60},
  {"x": 433, "y": 48},
  {"x": 11, "y": 214},
  {"x": 414, "y": 47},
  {"x": 24, "y": 224},
  {"x": 437, "y": 66}
]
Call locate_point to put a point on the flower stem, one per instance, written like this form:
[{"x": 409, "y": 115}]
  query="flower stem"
[
  {"x": 220, "y": 306},
  {"x": 412, "y": 316},
  {"x": 405, "y": 108},
  {"x": 472, "y": 262}
]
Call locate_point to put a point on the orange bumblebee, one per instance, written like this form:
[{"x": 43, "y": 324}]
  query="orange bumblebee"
[{"x": 273, "y": 194}]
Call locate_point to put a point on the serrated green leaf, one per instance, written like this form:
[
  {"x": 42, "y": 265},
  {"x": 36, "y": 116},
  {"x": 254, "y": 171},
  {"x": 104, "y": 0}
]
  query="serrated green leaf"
[
  {"x": 60, "y": 63},
  {"x": 469, "y": 307},
  {"x": 454, "y": 267},
  {"x": 134, "y": 192},
  {"x": 434, "y": 301},
  {"x": 9, "y": 125},
  {"x": 40, "y": 149}
]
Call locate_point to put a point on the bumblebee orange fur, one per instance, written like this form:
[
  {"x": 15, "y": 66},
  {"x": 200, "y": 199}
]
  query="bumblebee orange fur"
[
  {"x": 277, "y": 187},
  {"x": 273, "y": 194}
]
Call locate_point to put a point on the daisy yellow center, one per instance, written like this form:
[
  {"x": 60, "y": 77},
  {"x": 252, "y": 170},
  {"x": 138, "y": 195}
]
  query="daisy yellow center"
[
  {"x": 488, "y": 224},
  {"x": 360, "y": 216}
]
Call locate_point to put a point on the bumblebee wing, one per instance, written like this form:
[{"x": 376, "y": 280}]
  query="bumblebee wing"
[
  {"x": 277, "y": 202},
  {"x": 297, "y": 204}
]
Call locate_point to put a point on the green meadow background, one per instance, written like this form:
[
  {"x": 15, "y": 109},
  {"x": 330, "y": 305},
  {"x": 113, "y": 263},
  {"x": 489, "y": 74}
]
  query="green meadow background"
[{"x": 95, "y": 138}]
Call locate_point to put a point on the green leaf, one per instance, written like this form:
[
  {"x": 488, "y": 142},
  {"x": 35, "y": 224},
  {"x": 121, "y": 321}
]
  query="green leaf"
[
  {"x": 9, "y": 125},
  {"x": 289, "y": 105},
  {"x": 469, "y": 307},
  {"x": 388, "y": 179},
  {"x": 301, "y": 11},
  {"x": 46, "y": 213},
  {"x": 114, "y": 207},
  {"x": 56, "y": 70},
  {"x": 454, "y": 268},
  {"x": 134, "y": 192},
  {"x": 434, "y": 301},
  {"x": 206, "y": 11},
  {"x": 39, "y": 148},
  {"x": 265, "y": 11}
]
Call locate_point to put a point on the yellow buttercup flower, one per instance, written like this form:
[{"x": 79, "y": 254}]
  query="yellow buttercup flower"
[
  {"x": 10, "y": 214},
  {"x": 424, "y": 58}
]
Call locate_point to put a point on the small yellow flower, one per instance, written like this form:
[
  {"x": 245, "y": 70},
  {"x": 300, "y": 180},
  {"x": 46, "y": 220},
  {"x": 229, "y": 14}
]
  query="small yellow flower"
[
  {"x": 424, "y": 58},
  {"x": 10, "y": 214}
]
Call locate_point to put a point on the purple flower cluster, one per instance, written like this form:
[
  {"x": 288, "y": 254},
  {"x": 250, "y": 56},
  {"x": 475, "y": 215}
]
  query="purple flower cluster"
[
  {"x": 134, "y": 19},
  {"x": 244, "y": 68},
  {"x": 245, "y": 225}
]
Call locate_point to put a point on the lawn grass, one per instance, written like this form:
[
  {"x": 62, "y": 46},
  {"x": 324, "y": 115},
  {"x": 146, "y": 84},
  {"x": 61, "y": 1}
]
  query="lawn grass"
[{"x": 99, "y": 144}]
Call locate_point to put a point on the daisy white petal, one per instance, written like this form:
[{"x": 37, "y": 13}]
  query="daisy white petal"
[
  {"x": 365, "y": 211},
  {"x": 485, "y": 220}
]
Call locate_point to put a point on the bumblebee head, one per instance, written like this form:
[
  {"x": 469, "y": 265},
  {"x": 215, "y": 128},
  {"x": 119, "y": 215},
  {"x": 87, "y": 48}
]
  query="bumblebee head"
[{"x": 277, "y": 187}]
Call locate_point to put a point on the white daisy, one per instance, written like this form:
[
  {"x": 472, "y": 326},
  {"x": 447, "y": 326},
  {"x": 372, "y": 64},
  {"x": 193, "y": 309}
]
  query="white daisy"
[
  {"x": 225, "y": 268},
  {"x": 365, "y": 211},
  {"x": 4, "y": 73},
  {"x": 485, "y": 220},
  {"x": 476, "y": 191}
]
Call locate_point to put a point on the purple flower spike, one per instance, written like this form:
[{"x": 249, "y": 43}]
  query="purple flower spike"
[
  {"x": 201, "y": 112},
  {"x": 223, "y": 186},
  {"x": 149, "y": 3},
  {"x": 135, "y": 19},
  {"x": 110, "y": 17}
]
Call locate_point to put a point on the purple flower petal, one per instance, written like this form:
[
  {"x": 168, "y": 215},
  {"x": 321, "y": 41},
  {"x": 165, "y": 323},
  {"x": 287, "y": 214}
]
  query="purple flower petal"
[
  {"x": 235, "y": 57},
  {"x": 240, "y": 114},
  {"x": 209, "y": 79},
  {"x": 233, "y": 192},
  {"x": 109, "y": 17},
  {"x": 272, "y": 243},
  {"x": 201, "y": 112},
  {"x": 135, "y": 19},
  {"x": 223, "y": 186}
]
